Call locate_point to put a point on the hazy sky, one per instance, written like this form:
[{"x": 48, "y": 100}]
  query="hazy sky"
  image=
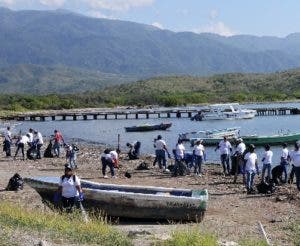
[{"x": 225, "y": 17}]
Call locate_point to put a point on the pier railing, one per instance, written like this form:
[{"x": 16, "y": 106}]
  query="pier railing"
[{"x": 106, "y": 114}]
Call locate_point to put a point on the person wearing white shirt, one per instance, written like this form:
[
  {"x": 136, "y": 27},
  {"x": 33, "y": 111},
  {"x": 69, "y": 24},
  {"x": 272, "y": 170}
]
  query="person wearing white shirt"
[
  {"x": 198, "y": 153},
  {"x": 107, "y": 160},
  {"x": 284, "y": 161},
  {"x": 225, "y": 149},
  {"x": 7, "y": 142},
  {"x": 38, "y": 138},
  {"x": 251, "y": 168},
  {"x": 30, "y": 136},
  {"x": 179, "y": 152},
  {"x": 267, "y": 163},
  {"x": 21, "y": 144},
  {"x": 69, "y": 189},
  {"x": 295, "y": 158},
  {"x": 239, "y": 153},
  {"x": 160, "y": 152}
]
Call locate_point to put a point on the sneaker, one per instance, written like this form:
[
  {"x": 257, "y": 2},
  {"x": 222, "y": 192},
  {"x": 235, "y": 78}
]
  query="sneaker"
[
  {"x": 105, "y": 176},
  {"x": 199, "y": 175},
  {"x": 166, "y": 170},
  {"x": 114, "y": 177}
]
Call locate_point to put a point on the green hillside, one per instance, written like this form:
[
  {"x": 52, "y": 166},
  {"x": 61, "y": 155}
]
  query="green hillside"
[
  {"x": 172, "y": 91},
  {"x": 39, "y": 79}
]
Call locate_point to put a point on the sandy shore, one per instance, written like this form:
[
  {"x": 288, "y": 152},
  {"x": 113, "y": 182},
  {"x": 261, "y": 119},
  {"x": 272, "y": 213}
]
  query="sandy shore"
[{"x": 231, "y": 214}]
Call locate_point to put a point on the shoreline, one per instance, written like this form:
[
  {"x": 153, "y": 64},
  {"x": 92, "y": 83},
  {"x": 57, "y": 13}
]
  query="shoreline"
[{"x": 228, "y": 215}]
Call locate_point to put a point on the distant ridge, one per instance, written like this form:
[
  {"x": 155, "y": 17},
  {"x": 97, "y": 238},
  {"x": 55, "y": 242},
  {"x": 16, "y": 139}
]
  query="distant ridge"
[{"x": 54, "y": 38}]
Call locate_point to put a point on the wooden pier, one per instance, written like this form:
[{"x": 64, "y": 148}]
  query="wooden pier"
[{"x": 101, "y": 114}]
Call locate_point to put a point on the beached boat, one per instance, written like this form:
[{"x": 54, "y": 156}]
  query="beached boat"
[
  {"x": 143, "y": 202},
  {"x": 148, "y": 127},
  {"x": 215, "y": 133},
  {"x": 257, "y": 140},
  {"x": 228, "y": 111}
]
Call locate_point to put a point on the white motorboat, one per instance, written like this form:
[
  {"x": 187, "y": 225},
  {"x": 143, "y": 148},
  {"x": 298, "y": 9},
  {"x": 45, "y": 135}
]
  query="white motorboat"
[{"x": 228, "y": 111}]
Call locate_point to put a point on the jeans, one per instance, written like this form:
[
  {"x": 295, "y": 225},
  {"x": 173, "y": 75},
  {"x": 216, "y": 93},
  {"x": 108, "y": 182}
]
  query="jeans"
[
  {"x": 225, "y": 163},
  {"x": 285, "y": 166},
  {"x": 297, "y": 173},
  {"x": 108, "y": 163},
  {"x": 239, "y": 168},
  {"x": 38, "y": 149},
  {"x": 198, "y": 164},
  {"x": 250, "y": 179},
  {"x": 68, "y": 203},
  {"x": 7, "y": 147},
  {"x": 161, "y": 158},
  {"x": 20, "y": 146},
  {"x": 56, "y": 148},
  {"x": 268, "y": 168}
]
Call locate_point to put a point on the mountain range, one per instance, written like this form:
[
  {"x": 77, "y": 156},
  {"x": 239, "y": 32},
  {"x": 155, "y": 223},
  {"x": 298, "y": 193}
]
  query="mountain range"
[{"x": 64, "y": 42}]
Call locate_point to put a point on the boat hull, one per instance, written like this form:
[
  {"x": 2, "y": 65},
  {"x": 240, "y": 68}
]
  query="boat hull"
[
  {"x": 161, "y": 127},
  {"x": 154, "y": 203}
]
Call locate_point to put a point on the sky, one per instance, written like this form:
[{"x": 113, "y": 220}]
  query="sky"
[{"x": 224, "y": 17}]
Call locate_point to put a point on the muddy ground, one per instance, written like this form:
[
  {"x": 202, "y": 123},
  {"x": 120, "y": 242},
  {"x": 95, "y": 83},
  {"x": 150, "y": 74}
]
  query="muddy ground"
[{"x": 232, "y": 215}]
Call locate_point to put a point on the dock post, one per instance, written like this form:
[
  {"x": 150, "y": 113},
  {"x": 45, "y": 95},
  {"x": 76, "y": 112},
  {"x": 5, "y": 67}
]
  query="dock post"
[
  {"x": 53, "y": 117},
  {"x": 42, "y": 118},
  {"x": 190, "y": 114},
  {"x": 136, "y": 115},
  {"x": 168, "y": 115},
  {"x": 116, "y": 116},
  {"x": 32, "y": 118},
  {"x": 95, "y": 117},
  {"x": 178, "y": 114},
  {"x": 74, "y": 117},
  {"x": 147, "y": 115},
  {"x": 64, "y": 117},
  {"x": 105, "y": 116},
  {"x": 84, "y": 117},
  {"x": 126, "y": 116}
]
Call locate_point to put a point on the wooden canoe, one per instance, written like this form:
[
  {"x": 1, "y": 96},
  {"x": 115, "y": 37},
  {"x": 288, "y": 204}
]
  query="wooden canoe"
[
  {"x": 142, "y": 202},
  {"x": 148, "y": 127}
]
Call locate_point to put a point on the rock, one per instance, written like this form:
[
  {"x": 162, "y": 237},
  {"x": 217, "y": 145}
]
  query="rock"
[
  {"x": 133, "y": 234},
  {"x": 43, "y": 243}
]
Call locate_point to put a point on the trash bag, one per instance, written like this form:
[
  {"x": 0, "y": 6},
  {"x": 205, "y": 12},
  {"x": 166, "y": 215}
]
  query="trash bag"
[
  {"x": 266, "y": 188},
  {"x": 48, "y": 152},
  {"x": 15, "y": 183},
  {"x": 143, "y": 166}
]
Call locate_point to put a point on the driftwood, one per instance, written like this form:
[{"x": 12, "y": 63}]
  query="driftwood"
[{"x": 263, "y": 232}]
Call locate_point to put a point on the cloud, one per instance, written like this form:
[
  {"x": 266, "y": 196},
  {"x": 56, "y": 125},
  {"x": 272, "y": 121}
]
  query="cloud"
[
  {"x": 118, "y": 5},
  {"x": 52, "y": 3},
  {"x": 158, "y": 25},
  {"x": 216, "y": 27},
  {"x": 98, "y": 14},
  {"x": 213, "y": 14},
  {"x": 7, "y": 2}
]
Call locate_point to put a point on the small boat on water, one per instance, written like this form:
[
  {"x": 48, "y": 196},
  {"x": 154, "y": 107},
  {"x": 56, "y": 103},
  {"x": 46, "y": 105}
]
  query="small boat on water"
[
  {"x": 215, "y": 133},
  {"x": 148, "y": 127},
  {"x": 277, "y": 139},
  {"x": 142, "y": 202},
  {"x": 228, "y": 111}
]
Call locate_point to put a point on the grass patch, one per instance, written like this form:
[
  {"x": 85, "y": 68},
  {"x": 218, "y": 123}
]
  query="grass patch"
[
  {"x": 294, "y": 228},
  {"x": 70, "y": 228},
  {"x": 192, "y": 237},
  {"x": 250, "y": 242}
]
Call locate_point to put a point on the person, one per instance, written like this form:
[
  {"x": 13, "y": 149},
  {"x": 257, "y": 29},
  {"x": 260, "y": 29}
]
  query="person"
[
  {"x": 160, "y": 152},
  {"x": 225, "y": 149},
  {"x": 179, "y": 153},
  {"x": 198, "y": 152},
  {"x": 71, "y": 155},
  {"x": 107, "y": 160},
  {"x": 69, "y": 189},
  {"x": 295, "y": 158},
  {"x": 30, "y": 137},
  {"x": 239, "y": 153},
  {"x": 267, "y": 163},
  {"x": 7, "y": 142},
  {"x": 115, "y": 158},
  {"x": 38, "y": 139},
  {"x": 251, "y": 168},
  {"x": 284, "y": 161},
  {"x": 134, "y": 150},
  {"x": 21, "y": 144},
  {"x": 58, "y": 141}
]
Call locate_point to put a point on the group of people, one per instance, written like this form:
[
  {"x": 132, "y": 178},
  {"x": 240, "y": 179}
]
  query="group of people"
[{"x": 244, "y": 160}]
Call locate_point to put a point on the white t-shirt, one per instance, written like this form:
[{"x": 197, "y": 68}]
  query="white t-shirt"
[
  {"x": 114, "y": 154},
  {"x": 199, "y": 150},
  {"x": 295, "y": 156},
  {"x": 159, "y": 144},
  {"x": 268, "y": 157},
  {"x": 30, "y": 137},
  {"x": 180, "y": 150},
  {"x": 69, "y": 186},
  {"x": 241, "y": 148},
  {"x": 39, "y": 138},
  {"x": 24, "y": 139},
  {"x": 285, "y": 153},
  {"x": 251, "y": 159},
  {"x": 224, "y": 147},
  {"x": 7, "y": 135}
]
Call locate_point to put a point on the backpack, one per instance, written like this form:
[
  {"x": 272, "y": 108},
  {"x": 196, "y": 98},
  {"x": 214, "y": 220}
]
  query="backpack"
[{"x": 15, "y": 183}]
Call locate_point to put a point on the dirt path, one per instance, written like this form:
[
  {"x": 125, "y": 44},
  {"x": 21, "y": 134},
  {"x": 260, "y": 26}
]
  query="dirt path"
[{"x": 231, "y": 214}]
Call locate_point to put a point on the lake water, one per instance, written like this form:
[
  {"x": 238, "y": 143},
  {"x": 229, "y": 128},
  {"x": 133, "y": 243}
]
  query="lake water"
[{"x": 106, "y": 131}]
